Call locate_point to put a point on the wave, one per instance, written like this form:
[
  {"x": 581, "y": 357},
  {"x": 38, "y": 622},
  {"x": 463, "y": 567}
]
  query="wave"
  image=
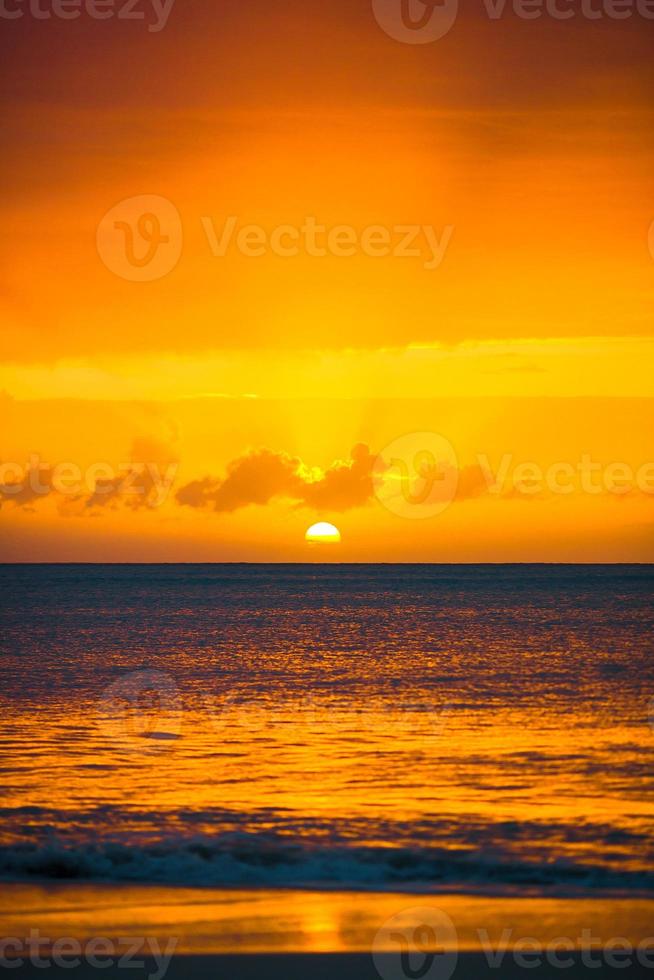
[{"x": 265, "y": 861}]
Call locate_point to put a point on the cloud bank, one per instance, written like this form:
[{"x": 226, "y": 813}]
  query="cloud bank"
[{"x": 264, "y": 475}]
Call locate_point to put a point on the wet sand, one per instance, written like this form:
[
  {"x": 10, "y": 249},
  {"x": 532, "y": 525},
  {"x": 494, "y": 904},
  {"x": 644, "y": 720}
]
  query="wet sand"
[{"x": 286, "y": 934}]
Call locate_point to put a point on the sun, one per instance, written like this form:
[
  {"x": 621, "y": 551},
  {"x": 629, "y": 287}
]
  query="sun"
[{"x": 323, "y": 533}]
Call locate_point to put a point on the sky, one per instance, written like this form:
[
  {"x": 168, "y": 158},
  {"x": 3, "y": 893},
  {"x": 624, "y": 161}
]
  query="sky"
[{"x": 270, "y": 264}]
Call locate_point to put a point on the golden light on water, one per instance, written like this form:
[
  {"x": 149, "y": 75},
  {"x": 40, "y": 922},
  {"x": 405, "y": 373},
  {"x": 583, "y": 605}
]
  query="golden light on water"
[{"x": 323, "y": 533}]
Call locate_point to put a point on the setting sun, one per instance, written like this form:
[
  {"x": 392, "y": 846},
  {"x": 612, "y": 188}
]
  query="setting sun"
[
  {"x": 267, "y": 266},
  {"x": 323, "y": 533}
]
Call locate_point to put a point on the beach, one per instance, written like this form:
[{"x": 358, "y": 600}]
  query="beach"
[
  {"x": 209, "y": 932},
  {"x": 292, "y": 767},
  {"x": 327, "y": 490}
]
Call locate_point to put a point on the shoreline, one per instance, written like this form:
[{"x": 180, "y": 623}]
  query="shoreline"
[{"x": 223, "y": 922}]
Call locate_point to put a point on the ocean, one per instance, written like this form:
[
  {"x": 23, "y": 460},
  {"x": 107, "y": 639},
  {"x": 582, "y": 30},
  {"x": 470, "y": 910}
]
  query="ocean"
[{"x": 412, "y": 728}]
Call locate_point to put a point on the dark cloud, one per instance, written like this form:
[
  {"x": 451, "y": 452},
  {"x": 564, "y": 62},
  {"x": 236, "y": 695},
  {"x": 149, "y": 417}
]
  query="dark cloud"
[
  {"x": 25, "y": 488},
  {"x": 265, "y": 475},
  {"x": 344, "y": 485},
  {"x": 256, "y": 478},
  {"x": 142, "y": 481},
  {"x": 472, "y": 482}
]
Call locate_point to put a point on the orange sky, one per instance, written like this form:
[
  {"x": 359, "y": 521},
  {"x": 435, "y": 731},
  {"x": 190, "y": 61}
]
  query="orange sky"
[{"x": 521, "y": 325}]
